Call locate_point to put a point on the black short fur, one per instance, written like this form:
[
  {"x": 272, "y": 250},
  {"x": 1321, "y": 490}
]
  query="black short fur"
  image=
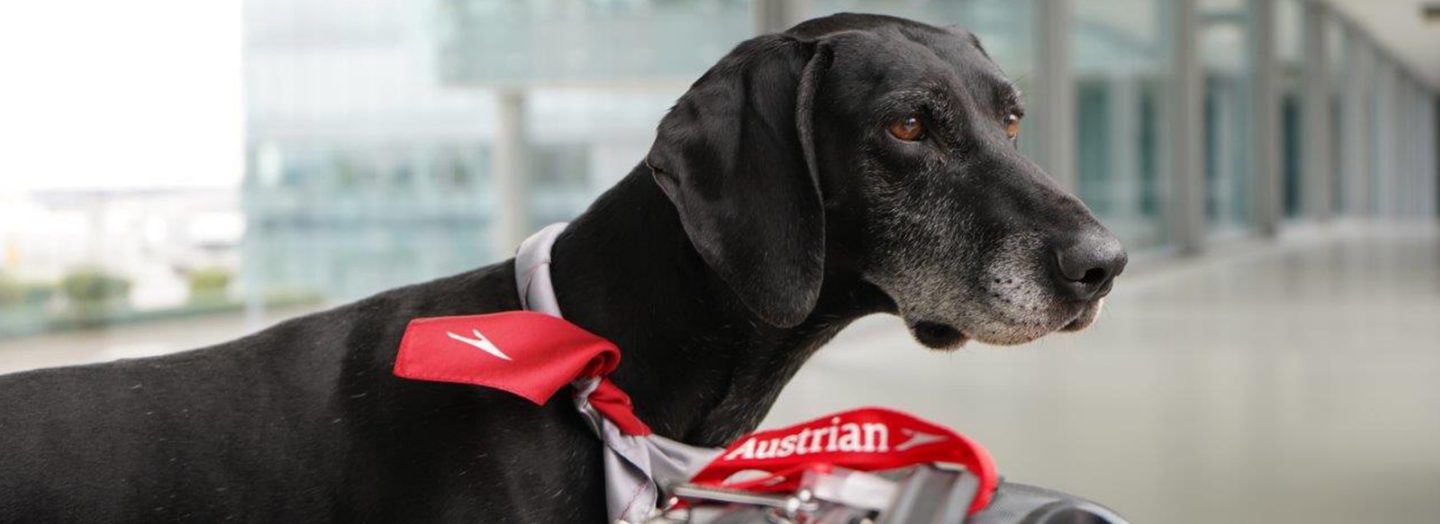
[{"x": 782, "y": 212}]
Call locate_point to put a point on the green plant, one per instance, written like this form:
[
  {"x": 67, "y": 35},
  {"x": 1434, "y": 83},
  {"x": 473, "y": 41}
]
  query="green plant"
[
  {"x": 93, "y": 285},
  {"x": 94, "y": 294},
  {"x": 209, "y": 284},
  {"x": 10, "y": 292}
]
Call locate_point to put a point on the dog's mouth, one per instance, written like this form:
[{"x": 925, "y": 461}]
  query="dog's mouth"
[
  {"x": 1087, "y": 316},
  {"x": 937, "y": 335},
  {"x": 947, "y": 336}
]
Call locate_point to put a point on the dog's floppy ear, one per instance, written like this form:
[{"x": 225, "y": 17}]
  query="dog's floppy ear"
[{"x": 735, "y": 157}]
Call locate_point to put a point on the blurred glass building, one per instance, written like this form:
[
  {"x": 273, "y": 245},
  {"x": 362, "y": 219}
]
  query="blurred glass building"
[{"x": 390, "y": 142}]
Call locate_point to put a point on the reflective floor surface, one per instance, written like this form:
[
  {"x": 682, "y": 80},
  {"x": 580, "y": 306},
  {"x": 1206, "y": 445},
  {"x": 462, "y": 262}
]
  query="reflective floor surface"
[{"x": 1296, "y": 381}]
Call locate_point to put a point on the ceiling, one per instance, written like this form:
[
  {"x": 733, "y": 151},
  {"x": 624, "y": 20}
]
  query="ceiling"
[{"x": 1399, "y": 27}]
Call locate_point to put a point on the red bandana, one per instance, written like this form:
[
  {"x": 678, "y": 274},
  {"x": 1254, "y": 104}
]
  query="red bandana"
[{"x": 532, "y": 355}]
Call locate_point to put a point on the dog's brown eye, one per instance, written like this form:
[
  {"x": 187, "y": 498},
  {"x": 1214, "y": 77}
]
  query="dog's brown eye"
[
  {"x": 1012, "y": 125},
  {"x": 907, "y": 128}
]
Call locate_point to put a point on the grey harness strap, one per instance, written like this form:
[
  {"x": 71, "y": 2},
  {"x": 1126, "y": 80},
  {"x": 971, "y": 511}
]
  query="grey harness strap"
[{"x": 636, "y": 468}]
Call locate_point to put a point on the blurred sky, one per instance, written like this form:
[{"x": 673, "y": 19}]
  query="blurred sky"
[{"x": 100, "y": 94}]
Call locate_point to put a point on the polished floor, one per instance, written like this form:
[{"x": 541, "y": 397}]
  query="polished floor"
[{"x": 1296, "y": 381}]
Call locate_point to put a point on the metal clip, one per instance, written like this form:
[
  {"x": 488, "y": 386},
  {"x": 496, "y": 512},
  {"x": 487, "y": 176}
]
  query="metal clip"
[{"x": 789, "y": 505}]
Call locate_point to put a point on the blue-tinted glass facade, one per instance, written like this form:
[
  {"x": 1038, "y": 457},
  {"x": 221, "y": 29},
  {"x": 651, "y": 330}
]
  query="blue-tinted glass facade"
[{"x": 1120, "y": 59}]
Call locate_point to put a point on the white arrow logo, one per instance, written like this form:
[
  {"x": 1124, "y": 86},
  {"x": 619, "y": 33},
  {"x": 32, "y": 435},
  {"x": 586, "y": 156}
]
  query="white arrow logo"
[
  {"x": 481, "y": 342},
  {"x": 917, "y": 439}
]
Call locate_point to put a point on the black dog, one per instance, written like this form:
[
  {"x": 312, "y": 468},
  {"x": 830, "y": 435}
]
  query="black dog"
[{"x": 853, "y": 165}]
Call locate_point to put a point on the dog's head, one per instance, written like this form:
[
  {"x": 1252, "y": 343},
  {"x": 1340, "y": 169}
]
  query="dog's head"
[{"x": 888, "y": 147}]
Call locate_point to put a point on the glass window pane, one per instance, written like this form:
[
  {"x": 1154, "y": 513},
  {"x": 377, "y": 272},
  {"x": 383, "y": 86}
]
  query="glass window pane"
[
  {"x": 1223, "y": 39},
  {"x": 372, "y": 132},
  {"x": 1337, "y": 53},
  {"x": 1006, "y": 28},
  {"x": 1289, "y": 18},
  {"x": 1120, "y": 57}
]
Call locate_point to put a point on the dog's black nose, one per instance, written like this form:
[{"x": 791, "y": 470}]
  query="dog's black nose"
[{"x": 1086, "y": 263}]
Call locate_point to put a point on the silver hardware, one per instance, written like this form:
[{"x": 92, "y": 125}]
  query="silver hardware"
[{"x": 791, "y": 505}]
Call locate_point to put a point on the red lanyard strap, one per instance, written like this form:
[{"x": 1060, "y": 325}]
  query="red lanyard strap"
[{"x": 866, "y": 439}]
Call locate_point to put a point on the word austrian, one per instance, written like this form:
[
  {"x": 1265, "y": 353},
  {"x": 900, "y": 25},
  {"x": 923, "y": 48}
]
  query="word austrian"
[{"x": 848, "y": 437}]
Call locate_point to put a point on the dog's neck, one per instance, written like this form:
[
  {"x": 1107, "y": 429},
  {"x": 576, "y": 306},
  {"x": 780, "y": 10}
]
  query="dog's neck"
[{"x": 698, "y": 364}]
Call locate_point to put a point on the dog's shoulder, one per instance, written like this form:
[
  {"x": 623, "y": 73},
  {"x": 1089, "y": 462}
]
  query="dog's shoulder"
[
  {"x": 370, "y": 329},
  {"x": 484, "y": 290},
  {"x": 364, "y": 336}
]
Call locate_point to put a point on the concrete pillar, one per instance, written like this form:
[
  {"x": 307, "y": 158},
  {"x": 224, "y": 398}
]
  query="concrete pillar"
[
  {"x": 1052, "y": 94},
  {"x": 1355, "y": 180},
  {"x": 1414, "y": 108},
  {"x": 1385, "y": 138},
  {"x": 774, "y": 16},
  {"x": 1229, "y": 171},
  {"x": 1266, "y": 201},
  {"x": 1315, "y": 114},
  {"x": 1185, "y": 120},
  {"x": 1431, "y": 146},
  {"x": 510, "y": 170},
  {"x": 1124, "y": 146}
]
